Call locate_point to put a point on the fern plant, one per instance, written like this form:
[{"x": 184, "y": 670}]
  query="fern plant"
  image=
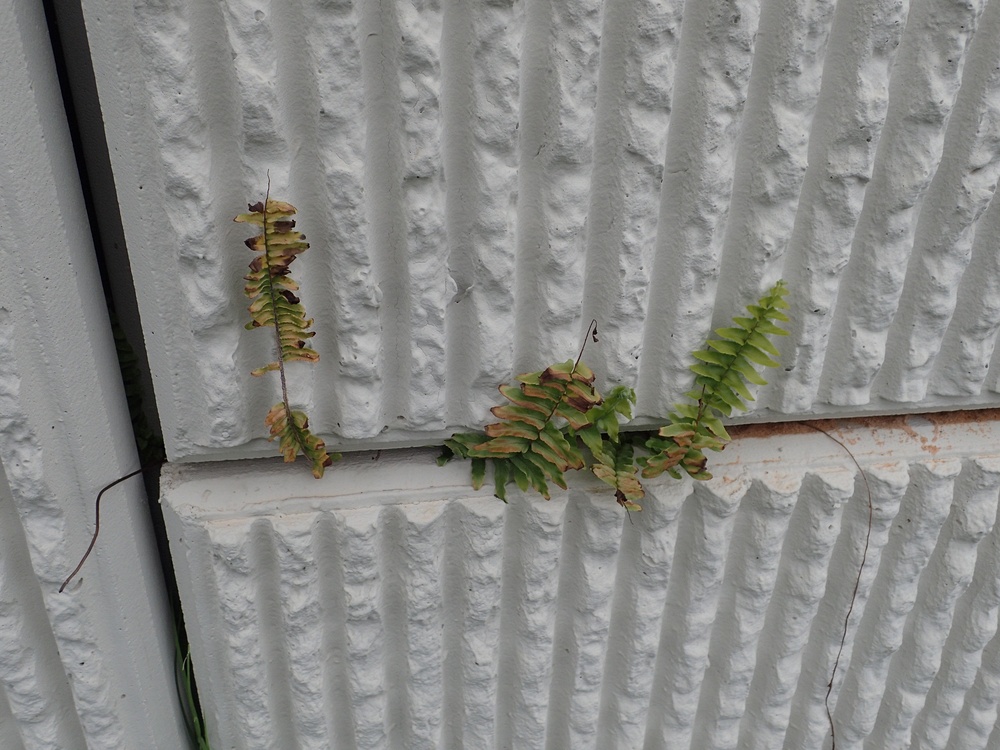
[
  {"x": 724, "y": 368},
  {"x": 554, "y": 420},
  {"x": 549, "y": 414},
  {"x": 274, "y": 304},
  {"x": 556, "y": 417},
  {"x": 530, "y": 446}
]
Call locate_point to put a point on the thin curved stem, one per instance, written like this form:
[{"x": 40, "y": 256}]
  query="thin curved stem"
[{"x": 97, "y": 518}]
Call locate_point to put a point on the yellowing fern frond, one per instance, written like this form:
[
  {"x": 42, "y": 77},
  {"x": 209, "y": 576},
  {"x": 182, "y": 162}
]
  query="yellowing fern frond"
[
  {"x": 293, "y": 436},
  {"x": 274, "y": 304},
  {"x": 269, "y": 286},
  {"x": 528, "y": 447}
]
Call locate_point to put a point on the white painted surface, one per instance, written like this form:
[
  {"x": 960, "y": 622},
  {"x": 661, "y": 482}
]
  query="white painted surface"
[
  {"x": 389, "y": 605},
  {"x": 478, "y": 181},
  {"x": 91, "y": 667}
]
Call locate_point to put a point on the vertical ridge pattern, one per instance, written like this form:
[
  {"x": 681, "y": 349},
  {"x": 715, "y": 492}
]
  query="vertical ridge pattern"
[
  {"x": 944, "y": 238},
  {"x": 976, "y": 723},
  {"x": 692, "y": 598},
  {"x": 881, "y": 629},
  {"x": 366, "y": 640},
  {"x": 275, "y": 619},
  {"x": 976, "y": 624},
  {"x": 799, "y": 588},
  {"x": 384, "y": 167},
  {"x": 297, "y": 80},
  {"x": 949, "y": 573},
  {"x": 251, "y": 712},
  {"x": 424, "y": 225},
  {"x": 571, "y": 590},
  {"x": 424, "y": 542},
  {"x": 332, "y": 37},
  {"x": 396, "y": 607},
  {"x": 829, "y": 629},
  {"x": 528, "y": 601},
  {"x": 645, "y": 563},
  {"x": 926, "y": 72},
  {"x": 639, "y": 44},
  {"x": 479, "y": 63},
  {"x": 301, "y": 595},
  {"x": 586, "y": 594},
  {"x": 476, "y": 649},
  {"x": 849, "y": 119},
  {"x": 558, "y": 93},
  {"x": 479, "y": 181},
  {"x": 34, "y": 694},
  {"x": 773, "y": 151},
  {"x": 751, "y": 573},
  {"x": 332, "y": 595},
  {"x": 714, "y": 62},
  {"x": 196, "y": 161}
]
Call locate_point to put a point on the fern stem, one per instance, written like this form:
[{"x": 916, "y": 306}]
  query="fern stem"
[
  {"x": 576, "y": 365},
  {"x": 274, "y": 306},
  {"x": 300, "y": 438},
  {"x": 591, "y": 331},
  {"x": 702, "y": 405}
]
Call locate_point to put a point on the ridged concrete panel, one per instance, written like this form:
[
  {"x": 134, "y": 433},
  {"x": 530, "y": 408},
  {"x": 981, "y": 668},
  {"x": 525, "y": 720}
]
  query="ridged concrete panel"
[
  {"x": 35, "y": 700},
  {"x": 90, "y": 667},
  {"x": 389, "y": 605},
  {"x": 479, "y": 181}
]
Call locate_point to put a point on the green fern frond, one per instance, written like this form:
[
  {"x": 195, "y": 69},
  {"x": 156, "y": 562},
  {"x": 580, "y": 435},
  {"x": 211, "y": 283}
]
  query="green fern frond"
[
  {"x": 274, "y": 304},
  {"x": 616, "y": 467},
  {"x": 614, "y": 458},
  {"x": 722, "y": 372},
  {"x": 460, "y": 444},
  {"x": 603, "y": 418},
  {"x": 529, "y": 448}
]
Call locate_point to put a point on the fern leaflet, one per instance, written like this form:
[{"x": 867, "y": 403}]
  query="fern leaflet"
[
  {"x": 293, "y": 436},
  {"x": 270, "y": 289}
]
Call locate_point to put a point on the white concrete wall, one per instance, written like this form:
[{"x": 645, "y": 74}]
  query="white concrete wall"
[
  {"x": 478, "y": 181},
  {"x": 91, "y": 667},
  {"x": 389, "y": 605}
]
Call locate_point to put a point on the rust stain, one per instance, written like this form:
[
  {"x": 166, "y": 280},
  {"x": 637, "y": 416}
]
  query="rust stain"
[{"x": 972, "y": 417}]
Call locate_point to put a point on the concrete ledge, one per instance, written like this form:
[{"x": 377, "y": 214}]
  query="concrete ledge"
[{"x": 388, "y": 604}]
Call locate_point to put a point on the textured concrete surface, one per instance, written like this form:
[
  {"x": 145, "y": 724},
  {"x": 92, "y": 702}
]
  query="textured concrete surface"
[
  {"x": 91, "y": 667},
  {"x": 389, "y": 605},
  {"x": 478, "y": 182}
]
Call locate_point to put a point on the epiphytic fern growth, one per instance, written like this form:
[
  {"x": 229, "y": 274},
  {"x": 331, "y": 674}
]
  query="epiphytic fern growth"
[
  {"x": 724, "y": 368},
  {"x": 274, "y": 304}
]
